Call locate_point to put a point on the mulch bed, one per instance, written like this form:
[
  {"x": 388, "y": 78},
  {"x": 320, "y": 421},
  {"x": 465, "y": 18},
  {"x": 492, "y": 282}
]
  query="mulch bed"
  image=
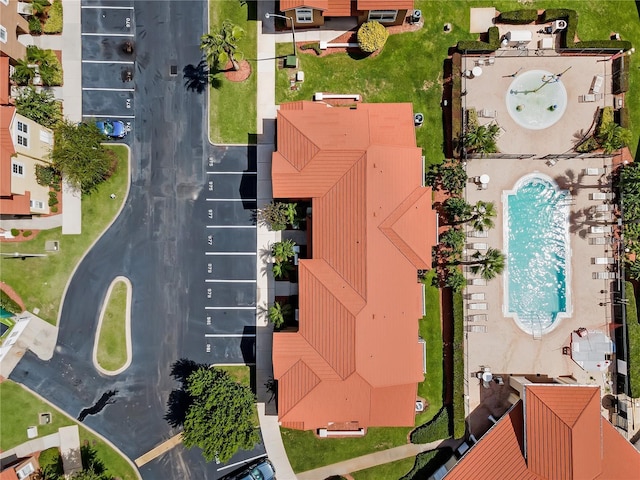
[
  {"x": 20, "y": 237},
  {"x": 237, "y": 75}
]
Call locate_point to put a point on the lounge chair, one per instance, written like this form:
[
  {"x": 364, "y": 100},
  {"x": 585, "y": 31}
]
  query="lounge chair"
[
  {"x": 604, "y": 275},
  {"x": 476, "y": 328},
  {"x": 594, "y": 171},
  {"x": 596, "y": 84},
  {"x": 589, "y": 97},
  {"x": 552, "y": 161},
  {"x": 602, "y": 216},
  {"x": 478, "y": 317},
  {"x": 600, "y": 229},
  {"x": 598, "y": 241},
  {"x": 486, "y": 113},
  {"x": 605, "y": 207},
  {"x": 603, "y": 260},
  {"x": 475, "y": 296},
  {"x": 477, "y": 281},
  {"x": 477, "y": 246},
  {"x": 477, "y": 234},
  {"x": 477, "y": 306},
  {"x": 601, "y": 196}
]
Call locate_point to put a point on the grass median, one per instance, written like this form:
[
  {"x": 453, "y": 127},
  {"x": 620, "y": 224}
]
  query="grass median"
[
  {"x": 19, "y": 409},
  {"x": 232, "y": 105},
  {"x": 40, "y": 281},
  {"x": 112, "y": 339}
]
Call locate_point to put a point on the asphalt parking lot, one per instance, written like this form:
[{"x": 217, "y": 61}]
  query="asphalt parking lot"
[{"x": 186, "y": 238}]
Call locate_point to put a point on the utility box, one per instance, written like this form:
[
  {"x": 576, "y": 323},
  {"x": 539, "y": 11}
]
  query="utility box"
[{"x": 290, "y": 61}]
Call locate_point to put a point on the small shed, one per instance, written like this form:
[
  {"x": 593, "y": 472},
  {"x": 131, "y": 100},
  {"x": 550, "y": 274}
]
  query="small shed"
[{"x": 516, "y": 38}]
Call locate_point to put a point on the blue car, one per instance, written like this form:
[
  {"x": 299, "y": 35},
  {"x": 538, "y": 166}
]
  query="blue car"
[{"x": 112, "y": 128}]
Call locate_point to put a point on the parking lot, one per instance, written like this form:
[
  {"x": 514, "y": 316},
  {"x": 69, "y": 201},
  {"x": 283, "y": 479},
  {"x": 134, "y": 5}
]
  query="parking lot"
[{"x": 108, "y": 61}]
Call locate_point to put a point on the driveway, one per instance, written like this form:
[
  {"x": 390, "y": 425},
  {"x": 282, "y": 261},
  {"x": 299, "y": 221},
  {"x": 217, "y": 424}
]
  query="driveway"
[{"x": 186, "y": 239}]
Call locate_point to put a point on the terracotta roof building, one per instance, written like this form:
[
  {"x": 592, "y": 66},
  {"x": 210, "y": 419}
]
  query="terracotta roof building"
[
  {"x": 356, "y": 356},
  {"x": 312, "y": 13},
  {"x": 555, "y": 432}
]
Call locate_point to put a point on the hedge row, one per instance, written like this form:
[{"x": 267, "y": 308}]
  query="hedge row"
[
  {"x": 458, "y": 414},
  {"x": 519, "y": 17},
  {"x": 8, "y": 304},
  {"x": 427, "y": 463},
  {"x": 482, "y": 47},
  {"x": 569, "y": 34},
  {"x": 633, "y": 332},
  {"x": 436, "y": 429}
]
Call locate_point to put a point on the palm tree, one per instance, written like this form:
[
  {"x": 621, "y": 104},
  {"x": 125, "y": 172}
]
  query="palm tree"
[
  {"x": 483, "y": 214},
  {"x": 283, "y": 251},
  {"x": 221, "y": 47},
  {"x": 489, "y": 265},
  {"x": 613, "y": 137},
  {"x": 22, "y": 73},
  {"x": 281, "y": 270},
  {"x": 482, "y": 139},
  {"x": 279, "y": 313}
]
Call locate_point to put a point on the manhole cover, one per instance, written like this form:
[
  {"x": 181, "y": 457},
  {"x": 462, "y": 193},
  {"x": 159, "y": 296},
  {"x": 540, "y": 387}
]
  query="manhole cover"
[{"x": 174, "y": 70}]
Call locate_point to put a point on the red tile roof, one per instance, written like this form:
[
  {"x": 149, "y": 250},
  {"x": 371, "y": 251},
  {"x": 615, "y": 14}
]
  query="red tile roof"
[
  {"x": 343, "y": 8},
  {"x": 564, "y": 436},
  {"x": 355, "y": 356},
  {"x": 5, "y": 88}
]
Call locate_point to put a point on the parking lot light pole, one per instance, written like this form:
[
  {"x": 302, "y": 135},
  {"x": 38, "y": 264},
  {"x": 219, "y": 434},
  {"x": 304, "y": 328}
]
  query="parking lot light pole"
[{"x": 293, "y": 29}]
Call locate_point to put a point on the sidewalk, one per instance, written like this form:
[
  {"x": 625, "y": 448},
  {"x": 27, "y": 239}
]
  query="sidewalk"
[
  {"x": 368, "y": 461},
  {"x": 37, "y": 223},
  {"x": 70, "y": 43},
  {"x": 267, "y": 112}
]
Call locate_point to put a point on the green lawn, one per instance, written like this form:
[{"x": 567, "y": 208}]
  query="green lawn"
[
  {"x": 19, "y": 409},
  {"x": 240, "y": 373},
  {"x": 306, "y": 451},
  {"x": 410, "y": 68},
  {"x": 431, "y": 331},
  {"x": 633, "y": 331},
  {"x": 47, "y": 276},
  {"x": 112, "y": 340},
  {"x": 388, "y": 471},
  {"x": 232, "y": 105}
]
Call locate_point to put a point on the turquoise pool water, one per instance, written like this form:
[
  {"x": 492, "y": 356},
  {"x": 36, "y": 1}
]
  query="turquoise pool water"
[
  {"x": 537, "y": 250},
  {"x": 5, "y": 314}
]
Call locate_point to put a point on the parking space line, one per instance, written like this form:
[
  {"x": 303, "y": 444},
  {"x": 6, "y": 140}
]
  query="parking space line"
[
  {"x": 232, "y": 173},
  {"x": 216, "y": 280},
  {"x": 100, "y": 89},
  {"x": 248, "y": 460},
  {"x": 228, "y": 226},
  {"x": 106, "y": 7},
  {"x": 126, "y": 62},
  {"x": 230, "y": 308},
  {"x": 231, "y": 200},
  {"x": 107, "y": 116},
  {"x": 229, "y": 335},
  {"x": 230, "y": 253},
  {"x": 98, "y": 34}
]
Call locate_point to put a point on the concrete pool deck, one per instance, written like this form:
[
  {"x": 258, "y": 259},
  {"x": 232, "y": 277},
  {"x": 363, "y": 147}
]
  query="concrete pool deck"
[{"x": 504, "y": 347}]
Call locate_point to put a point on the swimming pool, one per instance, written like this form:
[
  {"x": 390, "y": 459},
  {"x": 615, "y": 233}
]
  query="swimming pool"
[{"x": 537, "y": 248}]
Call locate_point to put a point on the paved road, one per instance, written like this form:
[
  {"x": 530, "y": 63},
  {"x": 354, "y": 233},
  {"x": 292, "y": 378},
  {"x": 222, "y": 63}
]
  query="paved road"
[{"x": 186, "y": 238}]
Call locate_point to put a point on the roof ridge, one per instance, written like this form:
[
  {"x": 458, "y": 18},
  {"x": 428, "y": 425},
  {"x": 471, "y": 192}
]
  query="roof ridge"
[
  {"x": 309, "y": 390},
  {"x": 307, "y": 138}
]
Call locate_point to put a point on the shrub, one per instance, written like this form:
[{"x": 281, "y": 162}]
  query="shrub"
[
  {"x": 54, "y": 209},
  {"x": 53, "y": 24},
  {"x": 35, "y": 27},
  {"x": 571, "y": 16},
  {"x": 606, "y": 117},
  {"x": 8, "y": 304},
  {"x": 53, "y": 199},
  {"x": 51, "y": 463},
  {"x": 15, "y": 232},
  {"x": 312, "y": 46},
  {"x": 40, "y": 107},
  {"x": 588, "y": 145},
  {"x": 47, "y": 176},
  {"x": 27, "y": 233},
  {"x": 494, "y": 37},
  {"x": 519, "y": 17},
  {"x": 372, "y": 36},
  {"x": 436, "y": 429}
]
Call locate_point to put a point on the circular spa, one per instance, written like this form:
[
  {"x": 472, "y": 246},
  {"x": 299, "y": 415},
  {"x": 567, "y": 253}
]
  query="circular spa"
[
  {"x": 536, "y": 99},
  {"x": 536, "y": 243}
]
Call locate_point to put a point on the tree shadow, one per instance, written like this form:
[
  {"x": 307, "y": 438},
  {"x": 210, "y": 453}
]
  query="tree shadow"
[
  {"x": 179, "y": 399},
  {"x": 90, "y": 459},
  {"x": 198, "y": 77}
]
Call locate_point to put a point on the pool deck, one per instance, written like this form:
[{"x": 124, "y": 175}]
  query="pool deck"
[{"x": 504, "y": 347}]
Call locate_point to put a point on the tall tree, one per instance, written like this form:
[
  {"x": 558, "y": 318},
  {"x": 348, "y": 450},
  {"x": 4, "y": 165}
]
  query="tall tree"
[
  {"x": 483, "y": 215},
  {"x": 488, "y": 265},
  {"x": 221, "y": 47},
  {"x": 40, "y": 107},
  {"x": 79, "y": 154},
  {"x": 219, "y": 419}
]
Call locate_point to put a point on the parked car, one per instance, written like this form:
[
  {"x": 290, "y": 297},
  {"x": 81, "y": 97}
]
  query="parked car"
[
  {"x": 263, "y": 470},
  {"x": 112, "y": 128}
]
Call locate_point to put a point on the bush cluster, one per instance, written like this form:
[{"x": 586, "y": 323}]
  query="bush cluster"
[
  {"x": 606, "y": 117},
  {"x": 47, "y": 176},
  {"x": 6, "y": 302},
  {"x": 53, "y": 199},
  {"x": 27, "y": 233},
  {"x": 477, "y": 46},
  {"x": 372, "y": 36},
  {"x": 519, "y": 17},
  {"x": 35, "y": 27},
  {"x": 588, "y": 145},
  {"x": 53, "y": 24},
  {"x": 312, "y": 46},
  {"x": 15, "y": 232}
]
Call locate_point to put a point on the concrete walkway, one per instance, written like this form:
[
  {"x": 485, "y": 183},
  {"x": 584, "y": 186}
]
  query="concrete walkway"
[
  {"x": 159, "y": 450},
  {"x": 70, "y": 93},
  {"x": 36, "y": 223},
  {"x": 368, "y": 461},
  {"x": 265, "y": 295}
]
